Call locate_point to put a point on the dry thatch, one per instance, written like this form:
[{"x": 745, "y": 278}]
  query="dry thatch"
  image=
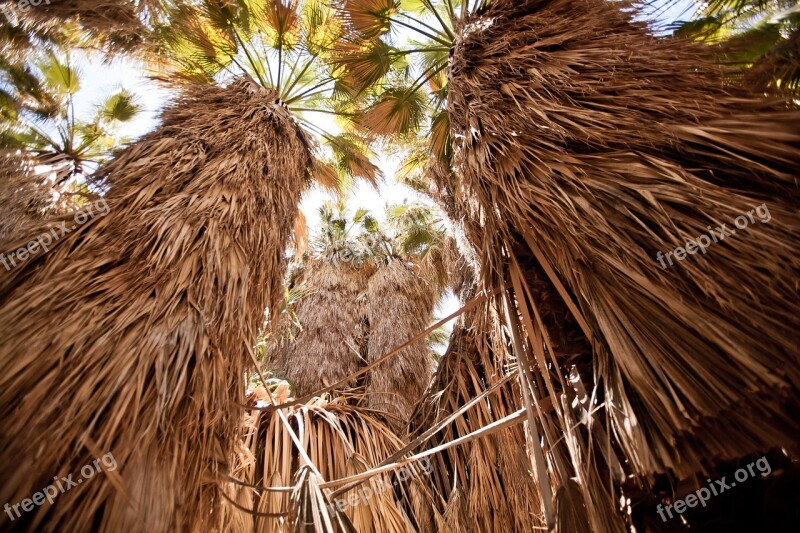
[
  {"x": 590, "y": 146},
  {"x": 23, "y": 202},
  {"x": 118, "y": 23},
  {"x": 34, "y": 187},
  {"x": 400, "y": 305},
  {"x": 486, "y": 486},
  {"x": 133, "y": 333},
  {"x": 330, "y": 343},
  {"x": 339, "y": 441}
]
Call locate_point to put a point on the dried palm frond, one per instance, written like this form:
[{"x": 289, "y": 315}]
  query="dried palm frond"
[
  {"x": 341, "y": 441},
  {"x": 330, "y": 342},
  {"x": 119, "y": 23},
  {"x": 132, "y": 335},
  {"x": 400, "y": 304},
  {"x": 24, "y": 201},
  {"x": 487, "y": 486},
  {"x": 35, "y": 187},
  {"x": 589, "y": 146}
]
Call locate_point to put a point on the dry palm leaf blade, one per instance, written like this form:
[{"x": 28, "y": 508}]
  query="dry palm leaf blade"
[
  {"x": 133, "y": 334},
  {"x": 594, "y": 145}
]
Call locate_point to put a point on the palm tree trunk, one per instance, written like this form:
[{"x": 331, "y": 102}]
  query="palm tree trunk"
[
  {"x": 586, "y": 149},
  {"x": 132, "y": 334}
]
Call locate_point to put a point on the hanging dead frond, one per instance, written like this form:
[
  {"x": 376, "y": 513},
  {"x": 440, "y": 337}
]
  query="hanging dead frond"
[
  {"x": 24, "y": 201},
  {"x": 487, "y": 486},
  {"x": 119, "y": 24},
  {"x": 341, "y": 441}
]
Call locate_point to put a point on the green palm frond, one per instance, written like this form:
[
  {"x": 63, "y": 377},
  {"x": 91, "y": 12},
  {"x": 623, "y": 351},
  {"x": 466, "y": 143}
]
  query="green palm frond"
[
  {"x": 417, "y": 227},
  {"x": 438, "y": 338},
  {"x": 59, "y": 137},
  {"x": 285, "y": 45},
  {"x": 397, "y": 111},
  {"x": 405, "y": 78},
  {"x": 370, "y": 18},
  {"x": 353, "y": 159},
  {"x": 763, "y": 36},
  {"x": 366, "y": 62},
  {"x": 59, "y": 76},
  {"x": 119, "y": 107},
  {"x": 441, "y": 140}
]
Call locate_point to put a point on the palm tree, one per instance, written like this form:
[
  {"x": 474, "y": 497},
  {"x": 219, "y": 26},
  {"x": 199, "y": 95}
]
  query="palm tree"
[
  {"x": 409, "y": 279},
  {"x": 361, "y": 294},
  {"x": 588, "y": 147},
  {"x": 533, "y": 102},
  {"x": 51, "y": 156},
  {"x": 132, "y": 334}
]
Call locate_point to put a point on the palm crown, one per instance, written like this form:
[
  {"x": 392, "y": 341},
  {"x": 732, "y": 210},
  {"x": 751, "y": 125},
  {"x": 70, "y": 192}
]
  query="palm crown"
[
  {"x": 53, "y": 134},
  {"x": 284, "y": 45}
]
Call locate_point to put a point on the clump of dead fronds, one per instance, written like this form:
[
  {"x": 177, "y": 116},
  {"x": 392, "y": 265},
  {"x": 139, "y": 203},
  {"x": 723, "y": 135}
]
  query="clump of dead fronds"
[
  {"x": 363, "y": 295},
  {"x": 116, "y": 24},
  {"x": 594, "y": 173},
  {"x": 400, "y": 305},
  {"x": 132, "y": 335},
  {"x": 587, "y": 146},
  {"x": 309, "y": 449},
  {"x": 329, "y": 343},
  {"x": 23, "y": 201},
  {"x": 33, "y": 189}
]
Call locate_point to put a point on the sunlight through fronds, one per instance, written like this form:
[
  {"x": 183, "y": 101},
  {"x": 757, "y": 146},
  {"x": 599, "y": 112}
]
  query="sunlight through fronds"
[{"x": 285, "y": 45}]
